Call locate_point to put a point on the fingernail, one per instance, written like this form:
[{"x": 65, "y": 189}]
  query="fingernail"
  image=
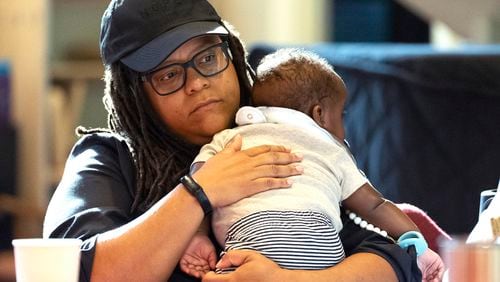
[
  {"x": 299, "y": 155},
  {"x": 299, "y": 168},
  {"x": 289, "y": 181}
]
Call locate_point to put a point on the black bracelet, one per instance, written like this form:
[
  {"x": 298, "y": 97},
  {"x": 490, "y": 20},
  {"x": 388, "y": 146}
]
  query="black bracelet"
[{"x": 196, "y": 190}]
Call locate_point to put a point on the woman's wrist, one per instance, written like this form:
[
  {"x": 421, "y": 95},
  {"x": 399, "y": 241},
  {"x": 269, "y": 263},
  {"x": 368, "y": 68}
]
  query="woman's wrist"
[
  {"x": 281, "y": 274},
  {"x": 197, "y": 191}
]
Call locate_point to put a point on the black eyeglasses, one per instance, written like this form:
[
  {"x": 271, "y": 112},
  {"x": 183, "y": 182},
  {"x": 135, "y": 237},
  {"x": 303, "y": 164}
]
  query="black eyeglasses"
[{"x": 208, "y": 62}]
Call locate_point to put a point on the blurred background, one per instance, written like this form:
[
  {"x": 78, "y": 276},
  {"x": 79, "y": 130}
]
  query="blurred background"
[{"x": 50, "y": 71}]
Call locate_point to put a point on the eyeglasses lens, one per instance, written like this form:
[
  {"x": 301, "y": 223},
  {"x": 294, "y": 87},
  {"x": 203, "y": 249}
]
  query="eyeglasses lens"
[{"x": 208, "y": 62}]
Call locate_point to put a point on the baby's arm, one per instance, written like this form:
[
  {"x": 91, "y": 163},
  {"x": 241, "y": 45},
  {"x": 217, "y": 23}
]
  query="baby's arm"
[
  {"x": 369, "y": 204},
  {"x": 431, "y": 266}
]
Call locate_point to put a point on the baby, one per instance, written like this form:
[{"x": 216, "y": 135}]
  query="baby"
[{"x": 301, "y": 103}]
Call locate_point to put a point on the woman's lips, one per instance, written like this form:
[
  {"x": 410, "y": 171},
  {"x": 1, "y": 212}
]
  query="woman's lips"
[{"x": 205, "y": 104}]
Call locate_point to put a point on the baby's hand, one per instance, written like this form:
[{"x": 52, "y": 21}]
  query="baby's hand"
[
  {"x": 199, "y": 257},
  {"x": 431, "y": 266}
]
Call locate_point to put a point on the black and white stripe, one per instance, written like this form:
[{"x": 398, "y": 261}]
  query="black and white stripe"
[{"x": 293, "y": 239}]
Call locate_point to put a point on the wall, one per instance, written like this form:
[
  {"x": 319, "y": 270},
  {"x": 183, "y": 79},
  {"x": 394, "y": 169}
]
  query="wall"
[
  {"x": 475, "y": 22},
  {"x": 24, "y": 42},
  {"x": 278, "y": 21},
  {"x": 75, "y": 27}
]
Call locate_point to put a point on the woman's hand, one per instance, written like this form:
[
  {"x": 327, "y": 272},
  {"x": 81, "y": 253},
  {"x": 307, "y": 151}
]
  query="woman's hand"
[
  {"x": 251, "y": 266},
  {"x": 234, "y": 174}
]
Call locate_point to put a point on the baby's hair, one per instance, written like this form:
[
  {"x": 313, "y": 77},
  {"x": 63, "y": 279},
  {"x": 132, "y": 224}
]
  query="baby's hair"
[{"x": 298, "y": 78}]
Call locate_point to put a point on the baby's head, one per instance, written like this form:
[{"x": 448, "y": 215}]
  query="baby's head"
[{"x": 303, "y": 81}]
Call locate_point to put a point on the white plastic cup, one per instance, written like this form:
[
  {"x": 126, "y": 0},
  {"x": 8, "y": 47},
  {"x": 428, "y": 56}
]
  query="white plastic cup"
[{"x": 47, "y": 260}]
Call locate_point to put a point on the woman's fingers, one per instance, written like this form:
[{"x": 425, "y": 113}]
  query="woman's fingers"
[
  {"x": 234, "y": 258},
  {"x": 260, "y": 161},
  {"x": 277, "y": 171},
  {"x": 234, "y": 145},
  {"x": 267, "y": 154},
  {"x": 250, "y": 266},
  {"x": 254, "y": 151},
  {"x": 265, "y": 184},
  {"x": 277, "y": 158},
  {"x": 234, "y": 174},
  {"x": 213, "y": 277}
]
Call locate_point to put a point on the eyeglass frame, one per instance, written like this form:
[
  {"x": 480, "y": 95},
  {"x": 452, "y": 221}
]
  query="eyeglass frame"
[{"x": 147, "y": 76}]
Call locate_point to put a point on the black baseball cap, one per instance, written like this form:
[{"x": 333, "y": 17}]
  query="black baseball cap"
[{"x": 143, "y": 33}]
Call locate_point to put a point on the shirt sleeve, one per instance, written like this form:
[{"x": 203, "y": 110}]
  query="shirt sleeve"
[
  {"x": 95, "y": 194},
  {"x": 349, "y": 176}
]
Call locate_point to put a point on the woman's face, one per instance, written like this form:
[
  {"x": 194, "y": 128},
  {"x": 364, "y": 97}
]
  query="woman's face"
[{"x": 204, "y": 105}]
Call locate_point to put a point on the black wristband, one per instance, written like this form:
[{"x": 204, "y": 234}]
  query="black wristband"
[{"x": 196, "y": 190}]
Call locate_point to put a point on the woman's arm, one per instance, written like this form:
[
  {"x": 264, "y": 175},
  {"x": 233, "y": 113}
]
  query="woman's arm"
[
  {"x": 253, "y": 266},
  {"x": 147, "y": 248},
  {"x": 92, "y": 202}
]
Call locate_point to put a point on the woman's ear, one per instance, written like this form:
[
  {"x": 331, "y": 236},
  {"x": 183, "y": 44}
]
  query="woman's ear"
[{"x": 317, "y": 114}]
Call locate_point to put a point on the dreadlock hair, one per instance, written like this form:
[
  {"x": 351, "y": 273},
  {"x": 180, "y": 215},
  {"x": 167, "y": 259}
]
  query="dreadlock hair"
[
  {"x": 298, "y": 79},
  {"x": 160, "y": 157},
  {"x": 245, "y": 73}
]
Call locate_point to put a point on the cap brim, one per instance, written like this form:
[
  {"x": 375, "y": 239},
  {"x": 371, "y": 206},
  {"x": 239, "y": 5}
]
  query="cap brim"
[{"x": 156, "y": 51}]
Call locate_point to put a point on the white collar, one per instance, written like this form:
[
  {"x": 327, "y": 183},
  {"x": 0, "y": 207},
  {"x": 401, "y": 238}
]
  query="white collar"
[{"x": 252, "y": 115}]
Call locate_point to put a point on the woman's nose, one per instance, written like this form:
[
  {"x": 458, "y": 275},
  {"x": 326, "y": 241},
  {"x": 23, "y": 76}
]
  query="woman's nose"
[{"x": 195, "y": 81}]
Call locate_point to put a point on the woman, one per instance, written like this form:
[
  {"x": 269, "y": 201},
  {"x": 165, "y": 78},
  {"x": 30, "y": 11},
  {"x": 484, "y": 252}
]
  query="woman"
[{"x": 174, "y": 77}]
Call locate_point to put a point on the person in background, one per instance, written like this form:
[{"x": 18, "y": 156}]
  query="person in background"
[
  {"x": 301, "y": 103},
  {"x": 175, "y": 74}
]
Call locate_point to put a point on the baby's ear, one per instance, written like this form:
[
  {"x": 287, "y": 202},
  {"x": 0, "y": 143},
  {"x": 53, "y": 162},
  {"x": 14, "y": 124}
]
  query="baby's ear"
[{"x": 317, "y": 114}]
